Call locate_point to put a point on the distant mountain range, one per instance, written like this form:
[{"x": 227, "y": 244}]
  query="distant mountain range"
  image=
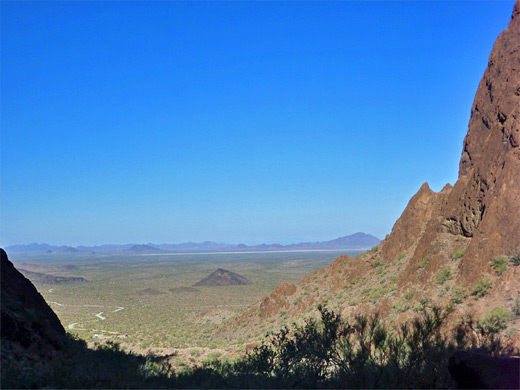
[{"x": 356, "y": 241}]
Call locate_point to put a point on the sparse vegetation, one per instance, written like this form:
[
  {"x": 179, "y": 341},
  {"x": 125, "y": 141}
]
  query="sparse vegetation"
[
  {"x": 482, "y": 287},
  {"x": 443, "y": 276},
  {"x": 378, "y": 263},
  {"x": 401, "y": 306},
  {"x": 408, "y": 295},
  {"x": 458, "y": 294},
  {"x": 424, "y": 262},
  {"x": 374, "y": 249},
  {"x": 401, "y": 256},
  {"x": 516, "y": 306},
  {"x": 328, "y": 352},
  {"x": 515, "y": 258},
  {"x": 499, "y": 264},
  {"x": 495, "y": 320},
  {"x": 459, "y": 252}
]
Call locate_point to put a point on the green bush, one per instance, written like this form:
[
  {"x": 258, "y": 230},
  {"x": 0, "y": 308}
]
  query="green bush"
[
  {"x": 516, "y": 306},
  {"x": 424, "y": 262},
  {"x": 374, "y": 249},
  {"x": 401, "y": 256},
  {"x": 459, "y": 252},
  {"x": 443, "y": 276},
  {"x": 499, "y": 264},
  {"x": 378, "y": 263},
  {"x": 409, "y": 294},
  {"x": 458, "y": 294},
  {"x": 482, "y": 287},
  {"x": 515, "y": 258},
  {"x": 375, "y": 295},
  {"x": 495, "y": 320},
  {"x": 363, "y": 354},
  {"x": 401, "y": 306}
]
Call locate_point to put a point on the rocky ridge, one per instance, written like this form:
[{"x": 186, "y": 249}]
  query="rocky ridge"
[
  {"x": 440, "y": 249},
  {"x": 29, "y": 327}
]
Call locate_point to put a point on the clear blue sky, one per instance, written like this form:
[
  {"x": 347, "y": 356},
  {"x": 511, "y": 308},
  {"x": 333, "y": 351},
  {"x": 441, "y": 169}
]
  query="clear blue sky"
[{"x": 231, "y": 121}]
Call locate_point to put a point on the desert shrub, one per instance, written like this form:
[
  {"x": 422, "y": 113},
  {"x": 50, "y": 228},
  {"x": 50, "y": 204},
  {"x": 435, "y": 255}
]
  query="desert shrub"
[
  {"x": 499, "y": 264},
  {"x": 495, "y": 320},
  {"x": 424, "y": 303},
  {"x": 516, "y": 306},
  {"x": 458, "y": 294},
  {"x": 401, "y": 256},
  {"x": 378, "y": 263},
  {"x": 515, "y": 258},
  {"x": 424, "y": 262},
  {"x": 482, "y": 287},
  {"x": 195, "y": 352},
  {"x": 375, "y": 295},
  {"x": 408, "y": 295},
  {"x": 334, "y": 353},
  {"x": 459, "y": 252},
  {"x": 401, "y": 306},
  {"x": 374, "y": 249},
  {"x": 443, "y": 276}
]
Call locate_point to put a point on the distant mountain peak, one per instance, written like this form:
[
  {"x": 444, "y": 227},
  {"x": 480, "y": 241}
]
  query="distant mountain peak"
[{"x": 222, "y": 277}]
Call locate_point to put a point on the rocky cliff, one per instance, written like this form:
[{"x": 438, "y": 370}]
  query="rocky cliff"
[
  {"x": 442, "y": 246},
  {"x": 484, "y": 203}
]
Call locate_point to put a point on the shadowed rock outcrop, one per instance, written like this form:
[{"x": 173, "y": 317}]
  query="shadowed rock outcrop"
[
  {"x": 29, "y": 326},
  {"x": 475, "y": 370}
]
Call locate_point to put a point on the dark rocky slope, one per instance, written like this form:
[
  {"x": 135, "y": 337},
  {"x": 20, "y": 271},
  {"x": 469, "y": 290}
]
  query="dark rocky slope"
[{"x": 29, "y": 327}]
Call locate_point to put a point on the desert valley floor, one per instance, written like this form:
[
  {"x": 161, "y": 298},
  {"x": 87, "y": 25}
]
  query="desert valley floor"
[{"x": 147, "y": 302}]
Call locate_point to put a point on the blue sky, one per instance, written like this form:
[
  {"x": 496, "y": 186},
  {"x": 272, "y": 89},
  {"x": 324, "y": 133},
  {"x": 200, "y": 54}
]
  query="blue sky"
[{"x": 231, "y": 121}]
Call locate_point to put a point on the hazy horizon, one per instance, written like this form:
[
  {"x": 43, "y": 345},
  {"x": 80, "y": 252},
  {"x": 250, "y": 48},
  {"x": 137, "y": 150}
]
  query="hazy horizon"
[
  {"x": 178, "y": 243},
  {"x": 246, "y": 122}
]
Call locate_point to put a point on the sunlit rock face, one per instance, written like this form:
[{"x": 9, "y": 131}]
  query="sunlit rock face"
[{"x": 456, "y": 231}]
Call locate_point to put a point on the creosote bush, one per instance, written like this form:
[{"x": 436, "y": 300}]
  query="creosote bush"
[
  {"x": 499, "y": 264},
  {"x": 515, "y": 258},
  {"x": 516, "y": 306},
  {"x": 378, "y": 263},
  {"x": 458, "y": 294},
  {"x": 408, "y": 294},
  {"x": 424, "y": 262},
  {"x": 495, "y": 320},
  {"x": 443, "y": 276},
  {"x": 482, "y": 287},
  {"x": 459, "y": 252}
]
